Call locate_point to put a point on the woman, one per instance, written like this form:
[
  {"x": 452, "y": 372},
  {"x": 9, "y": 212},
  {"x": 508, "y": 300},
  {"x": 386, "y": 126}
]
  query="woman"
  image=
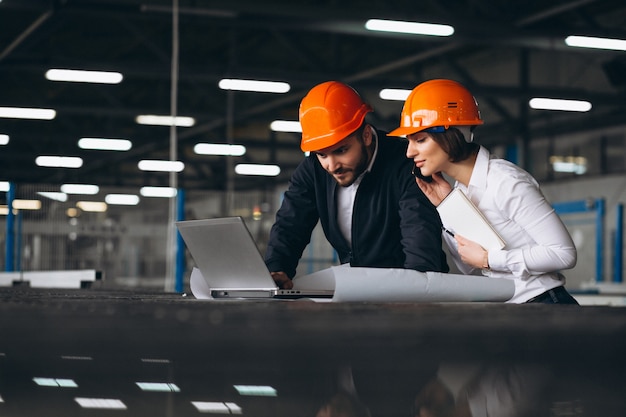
[{"x": 438, "y": 118}]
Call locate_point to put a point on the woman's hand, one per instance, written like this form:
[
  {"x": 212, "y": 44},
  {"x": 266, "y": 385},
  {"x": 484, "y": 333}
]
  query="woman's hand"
[
  {"x": 436, "y": 190},
  {"x": 472, "y": 253}
]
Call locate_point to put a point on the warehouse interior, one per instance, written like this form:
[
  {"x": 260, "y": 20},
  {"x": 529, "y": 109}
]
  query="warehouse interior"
[{"x": 129, "y": 333}]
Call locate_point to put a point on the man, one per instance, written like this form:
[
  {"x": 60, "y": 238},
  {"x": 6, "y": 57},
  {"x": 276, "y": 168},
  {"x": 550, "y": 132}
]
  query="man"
[{"x": 357, "y": 182}]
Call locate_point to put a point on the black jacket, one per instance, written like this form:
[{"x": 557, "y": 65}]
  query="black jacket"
[{"x": 393, "y": 223}]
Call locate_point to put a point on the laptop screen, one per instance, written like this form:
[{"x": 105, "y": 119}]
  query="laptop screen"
[{"x": 226, "y": 254}]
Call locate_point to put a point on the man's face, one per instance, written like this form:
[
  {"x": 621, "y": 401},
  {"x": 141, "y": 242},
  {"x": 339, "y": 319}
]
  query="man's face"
[{"x": 348, "y": 159}]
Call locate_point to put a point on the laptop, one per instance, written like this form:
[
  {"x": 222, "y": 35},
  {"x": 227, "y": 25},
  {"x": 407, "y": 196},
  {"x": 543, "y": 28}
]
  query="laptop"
[{"x": 230, "y": 262}]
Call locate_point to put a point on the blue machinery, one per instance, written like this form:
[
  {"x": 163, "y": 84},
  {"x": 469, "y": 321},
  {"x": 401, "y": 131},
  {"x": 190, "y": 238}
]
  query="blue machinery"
[{"x": 598, "y": 206}]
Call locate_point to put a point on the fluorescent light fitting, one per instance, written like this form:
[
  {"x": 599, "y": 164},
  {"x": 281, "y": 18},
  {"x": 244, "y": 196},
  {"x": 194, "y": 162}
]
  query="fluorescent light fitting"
[
  {"x": 103, "y": 144},
  {"x": 59, "y": 161},
  {"x": 596, "y": 43},
  {"x": 573, "y": 164},
  {"x": 122, "y": 199},
  {"x": 219, "y": 149},
  {"x": 256, "y": 390},
  {"x": 394, "y": 94},
  {"x": 217, "y": 407},
  {"x": 55, "y": 382},
  {"x": 414, "y": 28},
  {"x": 83, "y": 76},
  {"x": 5, "y": 185},
  {"x": 155, "y": 360},
  {"x": 559, "y": 104},
  {"x": 4, "y": 139},
  {"x": 257, "y": 169},
  {"x": 100, "y": 403},
  {"x": 76, "y": 358},
  {"x": 27, "y": 204},
  {"x": 286, "y": 126},
  {"x": 166, "y": 192},
  {"x": 92, "y": 206},
  {"x": 161, "y": 166},
  {"x": 158, "y": 386},
  {"x": 53, "y": 195},
  {"x": 254, "y": 85},
  {"x": 27, "y": 113},
  {"x": 154, "y": 120},
  {"x": 84, "y": 189}
]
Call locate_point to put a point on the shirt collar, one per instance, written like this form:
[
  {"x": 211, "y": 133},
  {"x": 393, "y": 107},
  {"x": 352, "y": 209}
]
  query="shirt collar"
[{"x": 478, "y": 180}]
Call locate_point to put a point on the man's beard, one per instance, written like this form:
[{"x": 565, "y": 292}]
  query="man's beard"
[{"x": 359, "y": 169}]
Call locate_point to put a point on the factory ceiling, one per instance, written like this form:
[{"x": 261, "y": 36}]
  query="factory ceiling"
[{"x": 505, "y": 51}]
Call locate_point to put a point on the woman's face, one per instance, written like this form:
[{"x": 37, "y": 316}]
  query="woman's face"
[{"x": 426, "y": 154}]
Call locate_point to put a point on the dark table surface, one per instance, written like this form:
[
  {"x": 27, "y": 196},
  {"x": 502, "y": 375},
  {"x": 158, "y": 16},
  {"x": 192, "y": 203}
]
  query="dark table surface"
[{"x": 108, "y": 341}]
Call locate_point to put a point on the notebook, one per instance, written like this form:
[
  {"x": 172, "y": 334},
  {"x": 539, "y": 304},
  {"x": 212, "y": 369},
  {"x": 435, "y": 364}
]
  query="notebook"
[
  {"x": 230, "y": 262},
  {"x": 459, "y": 215}
]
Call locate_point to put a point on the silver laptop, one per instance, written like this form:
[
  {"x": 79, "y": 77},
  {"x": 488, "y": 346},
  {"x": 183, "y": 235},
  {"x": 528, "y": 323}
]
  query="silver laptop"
[{"x": 230, "y": 262}]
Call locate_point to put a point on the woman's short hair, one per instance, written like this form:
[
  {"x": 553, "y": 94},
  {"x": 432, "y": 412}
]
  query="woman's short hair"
[{"x": 453, "y": 142}]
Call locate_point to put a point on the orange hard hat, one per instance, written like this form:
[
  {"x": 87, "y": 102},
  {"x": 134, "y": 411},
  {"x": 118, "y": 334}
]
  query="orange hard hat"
[
  {"x": 437, "y": 103},
  {"x": 329, "y": 113}
]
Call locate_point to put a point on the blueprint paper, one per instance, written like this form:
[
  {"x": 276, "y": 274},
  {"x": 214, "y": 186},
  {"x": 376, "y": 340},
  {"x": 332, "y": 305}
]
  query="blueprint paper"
[
  {"x": 353, "y": 284},
  {"x": 405, "y": 285}
]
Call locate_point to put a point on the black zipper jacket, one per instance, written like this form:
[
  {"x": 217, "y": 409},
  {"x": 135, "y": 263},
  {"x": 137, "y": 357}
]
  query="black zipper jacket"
[{"x": 394, "y": 225}]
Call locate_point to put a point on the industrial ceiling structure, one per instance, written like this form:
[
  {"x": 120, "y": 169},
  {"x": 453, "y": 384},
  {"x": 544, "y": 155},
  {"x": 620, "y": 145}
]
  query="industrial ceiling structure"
[{"x": 506, "y": 52}]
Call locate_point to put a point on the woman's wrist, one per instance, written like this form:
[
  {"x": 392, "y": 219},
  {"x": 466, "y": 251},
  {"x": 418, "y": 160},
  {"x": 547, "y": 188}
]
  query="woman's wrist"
[{"x": 486, "y": 261}]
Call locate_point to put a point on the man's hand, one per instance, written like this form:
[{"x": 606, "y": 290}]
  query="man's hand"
[
  {"x": 282, "y": 280},
  {"x": 436, "y": 190}
]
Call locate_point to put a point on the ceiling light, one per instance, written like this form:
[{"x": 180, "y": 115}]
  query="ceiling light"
[
  {"x": 155, "y": 360},
  {"x": 286, "y": 126},
  {"x": 62, "y": 197},
  {"x": 215, "y": 407},
  {"x": 103, "y": 144},
  {"x": 59, "y": 161},
  {"x": 158, "y": 386},
  {"x": 415, "y": 28},
  {"x": 84, "y": 189},
  {"x": 219, "y": 149},
  {"x": 254, "y": 85},
  {"x": 26, "y": 204},
  {"x": 256, "y": 390},
  {"x": 394, "y": 94},
  {"x": 100, "y": 403},
  {"x": 4, "y": 210},
  {"x": 161, "y": 166},
  {"x": 4, "y": 139},
  {"x": 76, "y": 358},
  {"x": 122, "y": 199},
  {"x": 55, "y": 382},
  {"x": 559, "y": 104},
  {"x": 257, "y": 169},
  {"x": 93, "y": 206},
  {"x": 82, "y": 76},
  {"x": 158, "y": 192},
  {"x": 154, "y": 120},
  {"x": 597, "y": 43},
  {"x": 573, "y": 164},
  {"x": 27, "y": 113}
]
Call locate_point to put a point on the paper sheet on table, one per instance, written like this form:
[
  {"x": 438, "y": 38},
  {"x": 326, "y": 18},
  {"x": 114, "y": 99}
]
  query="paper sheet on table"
[
  {"x": 405, "y": 285},
  {"x": 199, "y": 288}
]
